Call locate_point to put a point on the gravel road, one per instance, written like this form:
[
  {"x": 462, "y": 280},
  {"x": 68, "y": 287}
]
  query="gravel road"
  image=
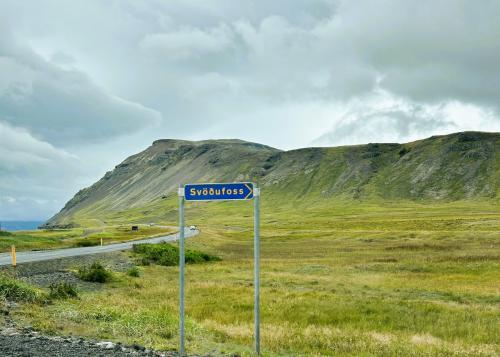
[{"x": 34, "y": 256}]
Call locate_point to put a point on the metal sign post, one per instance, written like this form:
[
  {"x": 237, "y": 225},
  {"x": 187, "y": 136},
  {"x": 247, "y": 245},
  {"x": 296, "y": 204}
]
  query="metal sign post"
[
  {"x": 256, "y": 254},
  {"x": 220, "y": 192},
  {"x": 182, "y": 262}
]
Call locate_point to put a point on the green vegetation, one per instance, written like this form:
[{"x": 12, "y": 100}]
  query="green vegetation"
[
  {"x": 347, "y": 279},
  {"x": 79, "y": 237},
  {"x": 95, "y": 273},
  {"x": 87, "y": 242},
  {"x": 5, "y": 234},
  {"x": 369, "y": 250},
  {"x": 438, "y": 169},
  {"x": 168, "y": 255},
  {"x": 62, "y": 291},
  {"x": 15, "y": 290},
  {"x": 134, "y": 272}
]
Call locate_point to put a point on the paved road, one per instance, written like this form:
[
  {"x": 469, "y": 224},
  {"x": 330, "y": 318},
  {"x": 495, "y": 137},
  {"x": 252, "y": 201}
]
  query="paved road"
[{"x": 35, "y": 256}]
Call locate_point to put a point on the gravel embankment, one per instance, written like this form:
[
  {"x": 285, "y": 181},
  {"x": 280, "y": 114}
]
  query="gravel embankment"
[
  {"x": 24, "y": 341},
  {"x": 47, "y": 272},
  {"x": 29, "y": 343}
]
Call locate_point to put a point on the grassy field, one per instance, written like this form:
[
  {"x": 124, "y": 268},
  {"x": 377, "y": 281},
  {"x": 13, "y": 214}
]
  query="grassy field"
[
  {"x": 343, "y": 279},
  {"x": 65, "y": 238}
]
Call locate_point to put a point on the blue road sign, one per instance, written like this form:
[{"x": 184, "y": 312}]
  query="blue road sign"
[{"x": 218, "y": 191}]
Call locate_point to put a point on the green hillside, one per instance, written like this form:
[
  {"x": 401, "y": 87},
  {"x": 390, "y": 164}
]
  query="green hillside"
[
  {"x": 369, "y": 250},
  {"x": 462, "y": 166}
]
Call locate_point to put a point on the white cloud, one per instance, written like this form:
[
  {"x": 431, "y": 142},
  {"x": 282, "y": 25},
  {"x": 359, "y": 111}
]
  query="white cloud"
[
  {"x": 381, "y": 117},
  {"x": 188, "y": 42},
  {"x": 62, "y": 105}
]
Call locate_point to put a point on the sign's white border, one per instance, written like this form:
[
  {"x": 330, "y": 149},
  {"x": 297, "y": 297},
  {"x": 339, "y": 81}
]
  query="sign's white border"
[{"x": 183, "y": 194}]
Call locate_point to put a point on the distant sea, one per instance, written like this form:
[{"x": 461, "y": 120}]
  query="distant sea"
[{"x": 20, "y": 225}]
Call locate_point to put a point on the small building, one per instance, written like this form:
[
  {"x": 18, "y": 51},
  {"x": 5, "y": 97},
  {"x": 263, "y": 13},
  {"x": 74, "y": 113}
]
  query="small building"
[{"x": 135, "y": 228}]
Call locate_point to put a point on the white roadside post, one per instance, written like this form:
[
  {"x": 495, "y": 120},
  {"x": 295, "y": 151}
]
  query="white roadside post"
[
  {"x": 256, "y": 247},
  {"x": 181, "y": 271}
]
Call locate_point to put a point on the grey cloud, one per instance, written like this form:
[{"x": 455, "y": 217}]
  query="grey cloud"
[
  {"x": 429, "y": 51},
  {"x": 62, "y": 58},
  {"x": 20, "y": 150},
  {"x": 35, "y": 177},
  {"x": 289, "y": 50},
  {"x": 61, "y": 105},
  {"x": 188, "y": 42}
]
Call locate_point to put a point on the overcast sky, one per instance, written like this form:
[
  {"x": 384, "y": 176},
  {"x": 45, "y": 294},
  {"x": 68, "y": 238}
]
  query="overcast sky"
[{"x": 84, "y": 84}]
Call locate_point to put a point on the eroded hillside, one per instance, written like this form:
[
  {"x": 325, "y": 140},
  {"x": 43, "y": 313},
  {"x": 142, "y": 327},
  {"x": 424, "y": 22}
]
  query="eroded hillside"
[{"x": 452, "y": 167}]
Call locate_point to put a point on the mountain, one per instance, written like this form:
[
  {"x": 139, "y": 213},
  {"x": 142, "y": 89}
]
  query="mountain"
[{"x": 452, "y": 167}]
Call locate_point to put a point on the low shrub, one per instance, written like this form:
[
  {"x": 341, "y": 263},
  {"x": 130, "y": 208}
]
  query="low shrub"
[
  {"x": 168, "y": 255},
  {"x": 5, "y": 234},
  {"x": 87, "y": 242},
  {"x": 96, "y": 273},
  {"x": 162, "y": 254},
  {"x": 196, "y": 256},
  {"x": 15, "y": 290},
  {"x": 134, "y": 272},
  {"x": 62, "y": 291},
  {"x": 404, "y": 151}
]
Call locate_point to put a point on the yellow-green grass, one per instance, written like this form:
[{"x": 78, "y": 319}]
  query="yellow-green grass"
[
  {"x": 346, "y": 279},
  {"x": 64, "y": 238}
]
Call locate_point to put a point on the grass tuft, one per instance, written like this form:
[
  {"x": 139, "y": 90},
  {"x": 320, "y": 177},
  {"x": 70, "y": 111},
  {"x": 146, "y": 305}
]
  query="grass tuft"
[
  {"x": 96, "y": 273},
  {"x": 15, "y": 290},
  {"x": 62, "y": 291},
  {"x": 134, "y": 272}
]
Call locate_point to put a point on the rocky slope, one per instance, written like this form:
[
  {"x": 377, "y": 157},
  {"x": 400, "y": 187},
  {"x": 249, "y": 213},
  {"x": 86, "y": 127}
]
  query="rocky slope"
[{"x": 452, "y": 167}]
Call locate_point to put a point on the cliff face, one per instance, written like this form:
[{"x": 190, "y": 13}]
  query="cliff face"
[{"x": 452, "y": 167}]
